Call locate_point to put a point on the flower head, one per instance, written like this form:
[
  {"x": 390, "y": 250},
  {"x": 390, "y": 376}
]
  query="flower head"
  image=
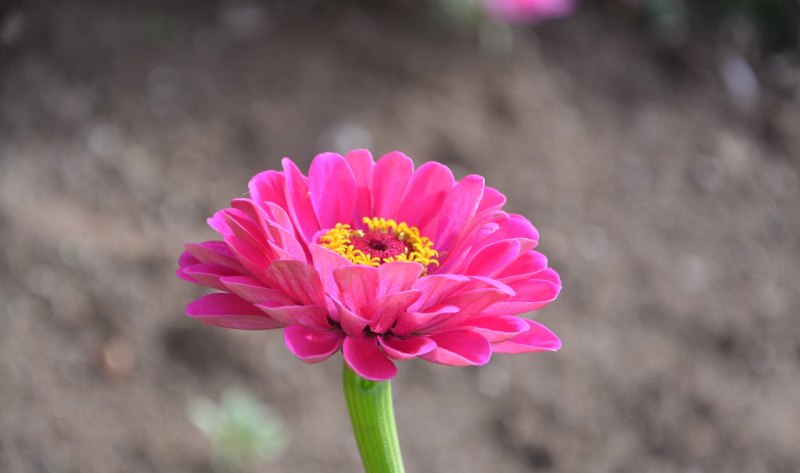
[
  {"x": 527, "y": 11},
  {"x": 376, "y": 259}
]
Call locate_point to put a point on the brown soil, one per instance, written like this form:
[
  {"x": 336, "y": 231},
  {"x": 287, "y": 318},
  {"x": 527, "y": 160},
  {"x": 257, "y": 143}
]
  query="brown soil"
[{"x": 672, "y": 217}]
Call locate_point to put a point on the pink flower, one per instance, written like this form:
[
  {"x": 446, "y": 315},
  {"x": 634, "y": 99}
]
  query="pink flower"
[
  {"x": 527, "y": 11},
  {"x": 376, "y": 259}
]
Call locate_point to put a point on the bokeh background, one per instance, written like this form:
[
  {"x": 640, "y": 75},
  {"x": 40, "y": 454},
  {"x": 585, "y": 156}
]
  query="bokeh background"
[{"x": 655, "y": 145}]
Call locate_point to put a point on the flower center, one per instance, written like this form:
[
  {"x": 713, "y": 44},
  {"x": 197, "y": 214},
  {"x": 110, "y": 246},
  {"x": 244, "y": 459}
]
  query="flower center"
[{"x": 382, "y": 241}]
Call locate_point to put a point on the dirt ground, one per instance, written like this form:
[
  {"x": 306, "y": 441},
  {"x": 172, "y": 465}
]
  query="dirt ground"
[{"x": 671, "y": 215}]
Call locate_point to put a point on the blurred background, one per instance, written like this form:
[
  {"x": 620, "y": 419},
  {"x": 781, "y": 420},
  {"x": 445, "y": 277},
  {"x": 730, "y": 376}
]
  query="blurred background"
[{"x": 655, "y": 144}]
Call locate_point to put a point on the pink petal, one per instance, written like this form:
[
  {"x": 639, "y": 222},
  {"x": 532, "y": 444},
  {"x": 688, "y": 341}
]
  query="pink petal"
[
  {"x": 229, "y": 311},
  {"x": 279, "y": 217},
  {"x": 497, "y": 328},
  {"x": 311, "y": 316},
  {"x": 424, "y": 196},
  {"x": 312, "y": 346},
  {"x": 398, "y": 276},
  {"x": 492, "y": 200},
  {"x": 298, "y": 201},
  {"x": 459, "y": 348},
  {"x": 410, "y": 321},
  {"x": 214, "y": 252},
  {"x": 493, "y": 258},
  {"x": 279, "y": 238},
  {"x": 243, "y": 226},
  {"x": 525, "y": 267},
  {"x": 537, "y": 338},
  {"x": 333, "y": 189},
  {"x": 470, "y": 304},
  {"x": 551, "y": 275},
  {"x": 187, "y": 259},
  {"x": 326, "y": 262},
  {"x": 208, "y": 274},
  {"x": 250, "y": 257},
  {"x": 515, "y": 226},
  {"x": 296, "y": 279},
  {"x": 405, "y": 348},
  {"x": 389, "y": 181},
  {"x": 387, "y": 309},
  {"x": 485, "y": 229},
  {"x": 361, "y": 163},
  {"x": 217, "y": 222},
  {"x": 252, "y": 290},
  {"x": 352, "y": 324},
  {"x": 268, "y": 186},
  {"x": 250, "y": 210},
  {"x": 358, "y": 286},
  {"x": 530, "y": 294},
  {"x": 437, "y": 287},
  {"x": 367, "y": 360},
  {"x": 457, "y": 210},
  {"x": 185, "y": 277},
  {"x": 481, "y": 282},
  {"x": 518, "y": 12}
]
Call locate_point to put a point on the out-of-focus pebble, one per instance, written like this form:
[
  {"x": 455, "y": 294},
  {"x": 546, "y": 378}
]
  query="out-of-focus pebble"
[
  {"x": 740, "y": 80},
  {"x": 118, "y": 358}
]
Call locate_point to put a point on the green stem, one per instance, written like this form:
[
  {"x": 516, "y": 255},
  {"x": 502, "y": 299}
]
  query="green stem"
[{"x": 372, "y": 416}]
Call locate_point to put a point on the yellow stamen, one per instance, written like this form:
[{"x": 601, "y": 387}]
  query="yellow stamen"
[{"x": 340, "y": 239}]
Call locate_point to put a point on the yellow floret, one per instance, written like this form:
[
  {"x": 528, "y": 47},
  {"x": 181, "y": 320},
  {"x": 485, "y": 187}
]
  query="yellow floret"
[{"x": 339, "y": 239}]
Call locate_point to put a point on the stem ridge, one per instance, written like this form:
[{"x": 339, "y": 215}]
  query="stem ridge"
[{"x": 372, "y": 416}]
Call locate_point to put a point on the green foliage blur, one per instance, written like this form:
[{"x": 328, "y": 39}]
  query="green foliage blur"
[
  {"x": 241, "y": 430},
  {"x": 776, "y": 21},
  {"x": 775, "y": 24}
]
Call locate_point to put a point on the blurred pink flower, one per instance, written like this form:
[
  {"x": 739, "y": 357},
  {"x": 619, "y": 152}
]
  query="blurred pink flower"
[
  {"x": 527, "y": 11},
  {"x": 378, "y": 260}
]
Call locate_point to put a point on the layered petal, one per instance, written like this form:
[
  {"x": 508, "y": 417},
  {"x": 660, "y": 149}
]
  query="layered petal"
[
  {"x": 406, "y": 348},
  {"x": 254, "y": 291},
  {"x": 298, "y": 201},
  {"x": 526, "y": 266},
  {"x": 536, "y": 338},
  {"x": 497, "y": 328},
  {"x": 332, "y": 189},
  {"x": 216, "y": 252},
  {"x": 230, "y": 311},
  {"x": 469, "y": 304},
  {"x": 268, "y": 186},
  {"x": 493, "y": 258},
  {"x": 529, "y": 294},
  {"x": 389, "y": 180},
  {"x": 385, "y": 311},
  {"x": 297, "y": 280},
  {"x": 361, "y": 165},
  {"x": 312, "y": 346},
  {"x": 459, "y": 348},
  {"x": 397, "y": 276},
  {"x": 358, "y": 286},
  {"x": 363, "y": 355},
  {"x": 207, "y": 274},
  {"x": 424, "y": 196},
  {"x": 311, "y": 316},
  {"x": 458, "y": 208}
]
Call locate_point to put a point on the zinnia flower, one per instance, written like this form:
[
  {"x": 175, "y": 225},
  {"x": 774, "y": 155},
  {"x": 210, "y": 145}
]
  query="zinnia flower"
[
  {"x": 527, "y": 11},
  {"x": 376, "y": 259}
]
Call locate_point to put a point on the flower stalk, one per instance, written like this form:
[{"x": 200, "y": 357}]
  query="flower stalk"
[{"x": 372, "y": 417}]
